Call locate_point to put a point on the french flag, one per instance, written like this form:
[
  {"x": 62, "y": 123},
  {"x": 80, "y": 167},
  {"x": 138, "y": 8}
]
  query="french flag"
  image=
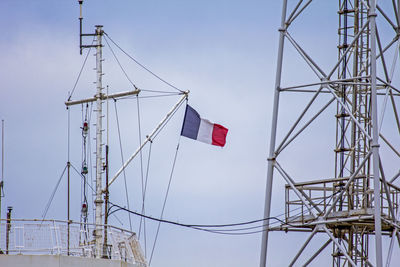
[{"x": 203, "y": 130}]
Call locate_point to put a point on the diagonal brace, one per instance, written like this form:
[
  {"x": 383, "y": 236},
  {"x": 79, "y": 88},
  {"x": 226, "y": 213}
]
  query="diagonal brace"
[{"x": 300, "y": 193}]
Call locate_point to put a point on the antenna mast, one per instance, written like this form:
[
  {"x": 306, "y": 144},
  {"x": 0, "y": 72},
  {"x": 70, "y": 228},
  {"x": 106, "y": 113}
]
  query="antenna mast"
[
  {"x": 99, "y": 98},
  {"x": 99, "y": 139}
]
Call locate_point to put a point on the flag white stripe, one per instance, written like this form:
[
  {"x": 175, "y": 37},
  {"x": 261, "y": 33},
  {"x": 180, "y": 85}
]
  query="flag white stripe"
[{"x": 205, "y": 131}]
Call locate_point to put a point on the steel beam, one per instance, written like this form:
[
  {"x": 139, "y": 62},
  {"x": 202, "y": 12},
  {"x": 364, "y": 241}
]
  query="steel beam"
[
  {"x": 342, "y": 249},
  {"x": 271, "y": 158},
  {"x": 375, "y": 136},
  {"x": 317, "y": 252},
  {"x": 304, "y": 246}
]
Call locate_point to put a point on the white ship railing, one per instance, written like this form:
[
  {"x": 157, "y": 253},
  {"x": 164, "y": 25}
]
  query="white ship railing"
[{"x": 56, "y": 237}]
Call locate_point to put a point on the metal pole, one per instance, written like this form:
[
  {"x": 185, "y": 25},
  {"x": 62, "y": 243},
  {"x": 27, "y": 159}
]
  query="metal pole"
[
  {"x": 99, "y": 131},
  {"x": 106, "y": 193},
  {"x": 2, "y": 164},
  {"x": 375, "y": 136},
  {"x": 317, "y": 252},
  {"x": 8, "y": 228},
  {"x": 2, "y": 153},
  {"x": 271, "y": 158},
  {"x": 68, "y": 204},
  {"x": 80, "y": 25},
  {"x": 398, "y": 14},
  {"x": 149, "y": 137},
  {"x": 304, "y": 246},
  {"x": 341, "y": 248},
  {"x": 106, "y": 197}
]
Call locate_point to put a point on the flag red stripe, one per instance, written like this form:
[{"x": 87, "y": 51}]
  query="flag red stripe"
[{"x": 219, "y": 135}]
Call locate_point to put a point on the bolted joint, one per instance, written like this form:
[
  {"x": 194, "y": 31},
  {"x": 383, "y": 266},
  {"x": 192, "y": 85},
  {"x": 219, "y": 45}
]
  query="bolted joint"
[
  {"x": 375, "y": 145},
  {"x": 282, "y": 29},
  {"x": 271, "y": 159}
]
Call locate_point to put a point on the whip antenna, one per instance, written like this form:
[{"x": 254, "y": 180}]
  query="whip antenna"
[{"x": 80, "y": 25}]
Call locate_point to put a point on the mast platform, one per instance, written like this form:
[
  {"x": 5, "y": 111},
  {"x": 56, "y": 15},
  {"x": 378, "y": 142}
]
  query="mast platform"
[{"x": 354, "y": 207}]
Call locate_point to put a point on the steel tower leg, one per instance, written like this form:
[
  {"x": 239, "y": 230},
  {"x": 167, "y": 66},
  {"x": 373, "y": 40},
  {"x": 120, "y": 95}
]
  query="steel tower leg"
[
  {"x": 375, "y": 136},
  {"x": 271, "y": 158}
]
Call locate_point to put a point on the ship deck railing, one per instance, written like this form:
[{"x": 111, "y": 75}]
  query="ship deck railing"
[{"x": 58, "y": 237}]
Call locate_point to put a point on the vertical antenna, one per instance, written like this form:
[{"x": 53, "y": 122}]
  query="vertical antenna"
[
  {"x": 68, "y": 179},
  {"x": 106, "y": 193},
  {"x": 2, "y": 155},
  {"x": 106, "y": 199},
  {"x": 80, "y": 25},
  {"x": 99, "y": 131},
  {"x": 2, "y": 164}
]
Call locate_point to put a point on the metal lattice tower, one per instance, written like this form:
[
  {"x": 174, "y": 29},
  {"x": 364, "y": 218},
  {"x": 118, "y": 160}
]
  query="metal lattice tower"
[{"x": 356, "y": 205}]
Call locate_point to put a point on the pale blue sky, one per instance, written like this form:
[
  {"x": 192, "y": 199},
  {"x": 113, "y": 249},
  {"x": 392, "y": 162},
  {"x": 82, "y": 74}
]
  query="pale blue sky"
[{"x": 224, "y": 52}]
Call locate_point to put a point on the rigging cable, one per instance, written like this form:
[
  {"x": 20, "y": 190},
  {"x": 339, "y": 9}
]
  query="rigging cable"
[
  {"x": 119, "y": 63},
  {"x": 141, "y": 65},
  {"x": 145, "y": 185},
  {"x": 126, "y": 74},
  {"x": 81, "y": 175},
  {"x": 142, "y": 220},
  {"x": 93, "y": 191},
  {"x": 80, "y": 72},
  {"x": 389, "y": 89},
  {"x": 84, "y": 171},
  {"x": 90, "y": 167},
  {"x": 46, "y": 209},
  {"x": 122, "y": 159},
  {"x": 203, "y": 227},
  {"x": 165, "y": 200},
  {"x": 206, "y": 227}
]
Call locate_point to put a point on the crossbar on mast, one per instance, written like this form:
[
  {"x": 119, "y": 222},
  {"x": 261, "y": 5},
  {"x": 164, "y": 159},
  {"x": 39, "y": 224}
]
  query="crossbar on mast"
[{"x": 102, "y": 97}]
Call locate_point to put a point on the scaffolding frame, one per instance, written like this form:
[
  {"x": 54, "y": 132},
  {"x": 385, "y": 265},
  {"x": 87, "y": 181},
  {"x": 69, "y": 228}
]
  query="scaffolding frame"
[{"x": 359, "y": 201}]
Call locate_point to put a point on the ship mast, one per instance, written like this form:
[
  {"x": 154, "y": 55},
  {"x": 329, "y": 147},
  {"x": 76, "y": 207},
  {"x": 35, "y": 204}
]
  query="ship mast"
[
  {"x": 99, "y": 160},
  {"x": 99, "y": 99}
]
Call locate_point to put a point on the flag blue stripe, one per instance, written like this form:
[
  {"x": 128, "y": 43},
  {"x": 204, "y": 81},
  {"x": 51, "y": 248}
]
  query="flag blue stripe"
[{"x": 191, "y": 123}]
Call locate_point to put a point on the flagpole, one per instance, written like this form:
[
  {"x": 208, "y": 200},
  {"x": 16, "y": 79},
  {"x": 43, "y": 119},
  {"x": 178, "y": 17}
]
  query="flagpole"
[{"x": 149, "y": 137}]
